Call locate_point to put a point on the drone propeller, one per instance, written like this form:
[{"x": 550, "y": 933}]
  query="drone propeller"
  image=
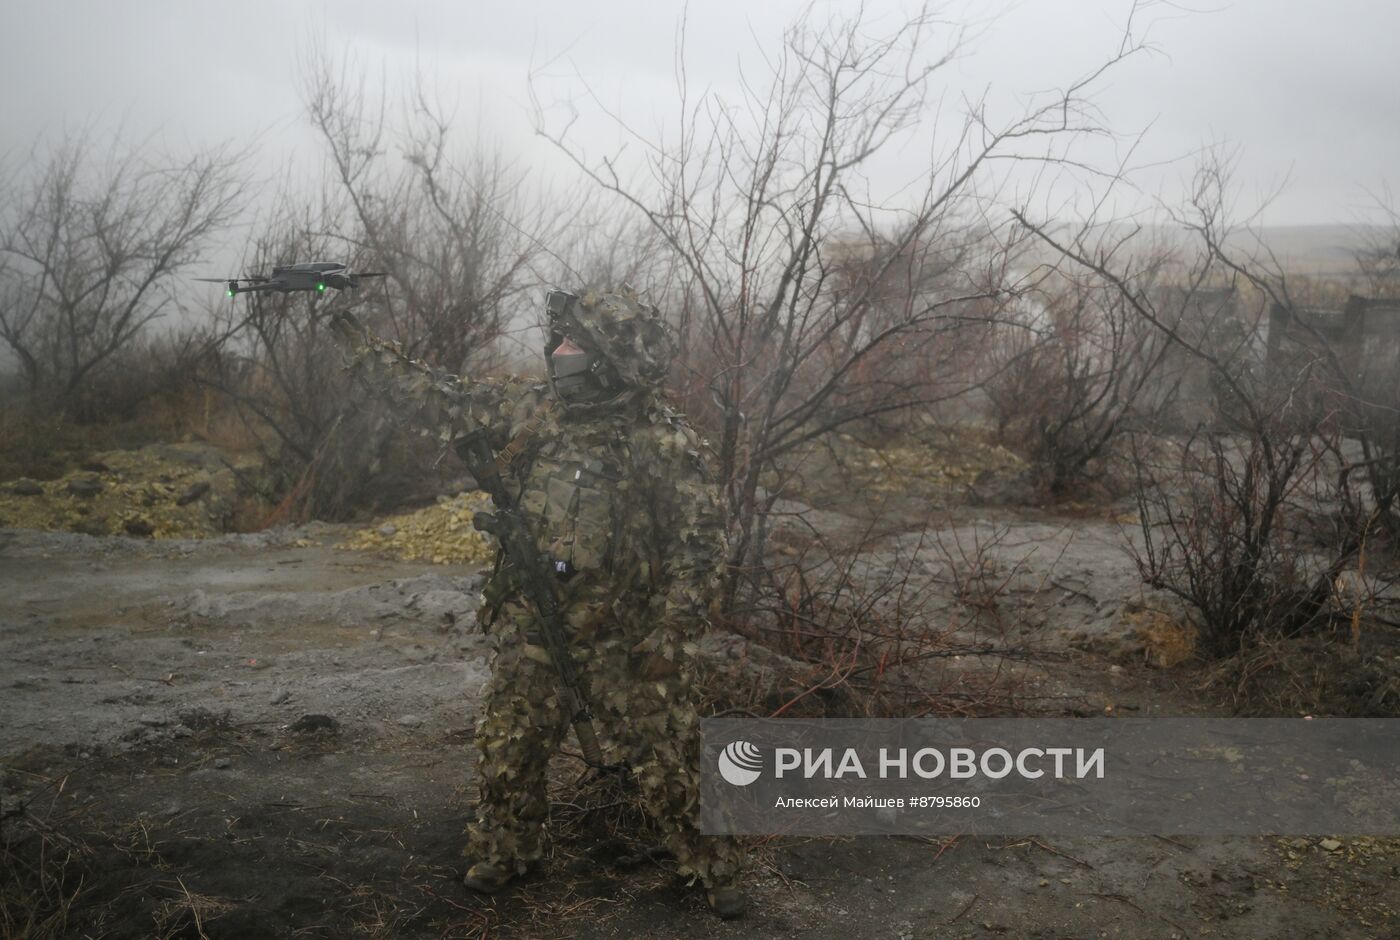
[
  {"x": 231, "y": 284},
  {"x": 353, "y": 277}
]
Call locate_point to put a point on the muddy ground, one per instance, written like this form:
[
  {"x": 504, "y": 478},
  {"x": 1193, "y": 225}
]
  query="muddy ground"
[{"x": 264, "y": 735}]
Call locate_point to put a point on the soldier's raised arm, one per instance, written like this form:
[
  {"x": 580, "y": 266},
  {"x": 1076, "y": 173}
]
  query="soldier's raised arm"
[{"x": 434, "y": 402}]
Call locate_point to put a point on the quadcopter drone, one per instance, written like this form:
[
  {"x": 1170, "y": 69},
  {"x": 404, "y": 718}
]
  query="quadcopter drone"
[{"x": 312, "y": 276}]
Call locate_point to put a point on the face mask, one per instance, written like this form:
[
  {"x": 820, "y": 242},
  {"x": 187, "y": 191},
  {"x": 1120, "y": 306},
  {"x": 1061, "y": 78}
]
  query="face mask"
[{"x": 572, "y": 371}]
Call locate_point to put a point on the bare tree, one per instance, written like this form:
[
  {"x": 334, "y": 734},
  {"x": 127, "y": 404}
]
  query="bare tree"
[
  {"x": 461, "y": 233},
  {"x": 88, "y": 252},
  {"x": 765, "y": 204}
]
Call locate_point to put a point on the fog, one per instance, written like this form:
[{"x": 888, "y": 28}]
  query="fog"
[{"x": 1307, "y": 95}]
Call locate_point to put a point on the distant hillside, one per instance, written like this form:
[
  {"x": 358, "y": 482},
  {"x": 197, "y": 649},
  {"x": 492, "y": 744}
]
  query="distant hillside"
[
  {"x": 1311, "y": 249},
  {"x": 1302, "y": 249}
]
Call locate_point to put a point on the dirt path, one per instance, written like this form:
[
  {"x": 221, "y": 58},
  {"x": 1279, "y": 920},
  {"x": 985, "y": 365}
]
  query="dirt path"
[{"x": 265, "y": 736}]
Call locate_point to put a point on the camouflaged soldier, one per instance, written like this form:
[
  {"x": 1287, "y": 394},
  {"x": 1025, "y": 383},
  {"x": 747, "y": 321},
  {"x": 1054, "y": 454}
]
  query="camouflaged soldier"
[{"x": 613, "y": 483}]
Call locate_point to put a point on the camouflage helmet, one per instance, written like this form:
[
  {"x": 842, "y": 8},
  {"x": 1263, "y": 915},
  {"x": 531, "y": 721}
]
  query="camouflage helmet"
[{"x": 630, "y": 337}]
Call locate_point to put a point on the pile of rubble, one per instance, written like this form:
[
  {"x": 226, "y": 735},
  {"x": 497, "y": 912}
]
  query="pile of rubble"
[
  {"x": 441, "y": 534},
  {"x": 162, "y": 491},
  {"x": 956, "y": 464}
]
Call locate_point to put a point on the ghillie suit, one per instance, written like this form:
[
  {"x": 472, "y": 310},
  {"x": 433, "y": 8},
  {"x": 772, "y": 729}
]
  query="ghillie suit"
[{"x": 613, "y": 484}]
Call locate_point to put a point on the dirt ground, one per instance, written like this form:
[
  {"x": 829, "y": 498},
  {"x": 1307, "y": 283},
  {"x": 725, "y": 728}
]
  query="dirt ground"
[{"x": 265, "y": 735}]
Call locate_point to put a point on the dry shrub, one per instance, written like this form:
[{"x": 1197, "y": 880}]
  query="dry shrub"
[
  {"x": 856, "y": 625},
  {"x": 1213, "y": 536},
  {"x": 329, "y": 448},
  {"x": 1074, "y": 369},
  {"x": 39, "y": 445},
  {"x": 150, "y": 396},
  {"x": 1166, "y": 641}
]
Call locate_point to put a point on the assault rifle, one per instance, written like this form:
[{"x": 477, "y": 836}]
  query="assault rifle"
[{"x": 537, "y": 579}]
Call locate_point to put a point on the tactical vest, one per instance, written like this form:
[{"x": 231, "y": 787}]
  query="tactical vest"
[{"x": 571, "y": 496}]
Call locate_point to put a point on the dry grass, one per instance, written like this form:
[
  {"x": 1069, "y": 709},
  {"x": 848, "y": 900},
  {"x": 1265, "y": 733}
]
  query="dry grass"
[
  {"x": 1310, "y": 675},
  {"x": 176, "y": 915},
  {"x": 41, "y": 883},
  {"x": 46, "y": 865}
]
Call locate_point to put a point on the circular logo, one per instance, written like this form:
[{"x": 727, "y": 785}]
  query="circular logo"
[{"x": 740, "y": 763}]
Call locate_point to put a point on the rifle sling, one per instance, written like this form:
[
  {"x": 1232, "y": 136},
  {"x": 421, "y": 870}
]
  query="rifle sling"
[{"x": 517, "y": 444}]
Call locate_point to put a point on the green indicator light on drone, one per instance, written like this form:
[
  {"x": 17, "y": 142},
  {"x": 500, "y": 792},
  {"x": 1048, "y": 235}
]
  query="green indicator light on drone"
[
  {"x": 321, "y": 288},
  {"x": 229, "y": 293}
]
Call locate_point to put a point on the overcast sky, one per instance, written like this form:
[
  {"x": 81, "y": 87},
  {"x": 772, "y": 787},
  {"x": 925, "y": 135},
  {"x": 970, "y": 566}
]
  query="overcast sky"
[{"x": 1307, "y": 92}]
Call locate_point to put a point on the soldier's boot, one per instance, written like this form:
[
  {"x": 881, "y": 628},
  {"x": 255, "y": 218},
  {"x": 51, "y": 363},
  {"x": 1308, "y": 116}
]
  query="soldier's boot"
[
  {"x": 488, "y": 878},
  {"x": 726, "y": 901}
]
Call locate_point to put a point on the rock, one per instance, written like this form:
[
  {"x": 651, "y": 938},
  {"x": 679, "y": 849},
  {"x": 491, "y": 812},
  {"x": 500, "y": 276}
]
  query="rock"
[
  {"x": 1330, "y": 845},
  {"x": 195, "y": 491},
  {"x": 410, "y": 721},
  {"x": 85, "y": 487},
  {"x": 388, "y": 530},
  {"x": 1001, "y": 487},
  {"x": 223, "y": 763},
  {"x": 282, "y": 697},
  {"x": 139, "y": 527},
  {"x": 26, "y": 488},
  {"x": 316, "y": 724}
]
